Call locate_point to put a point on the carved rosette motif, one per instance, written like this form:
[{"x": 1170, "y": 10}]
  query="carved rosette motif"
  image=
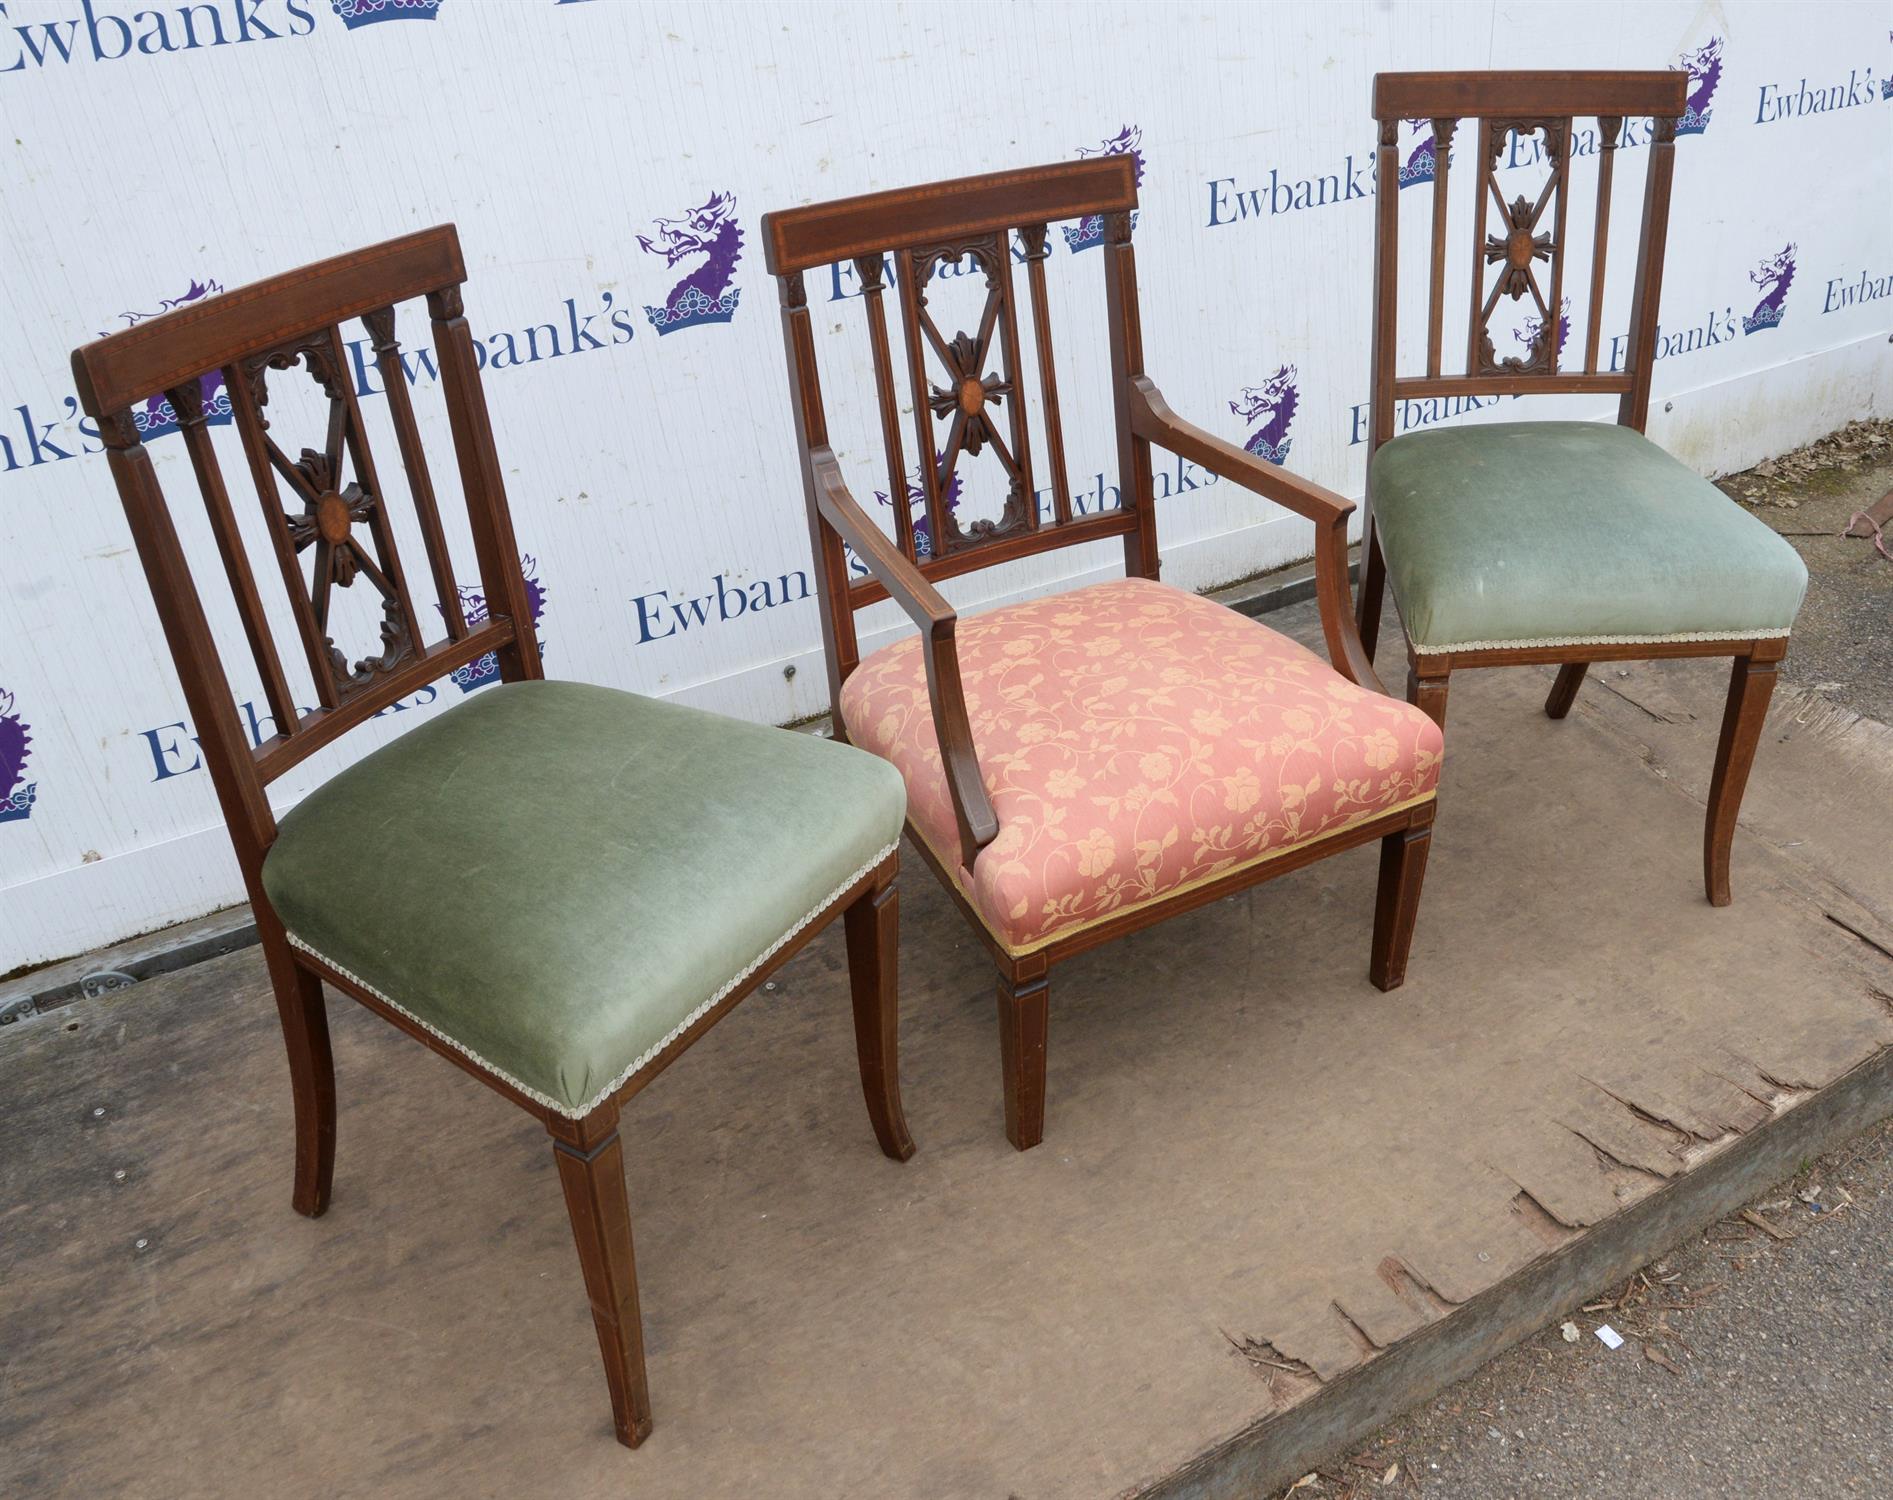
[
  {"x": 1521, "y": 244},
  {"x": 335, "y": 515},
  {"x": 968, "y": 399},
  {"x": 1517, "y": 248}
]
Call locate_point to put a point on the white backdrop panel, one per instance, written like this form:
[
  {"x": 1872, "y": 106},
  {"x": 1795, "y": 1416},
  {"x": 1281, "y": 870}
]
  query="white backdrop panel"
[{"x": 151, "y": 152}]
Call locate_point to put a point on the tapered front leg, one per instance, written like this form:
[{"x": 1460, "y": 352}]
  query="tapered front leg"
[
  {"x": 1024, "y": 1023},
  {"x": 1565, "y": 690},
  {"x": 873, "y": 928},
  {"x": 591, "y": 1170},
  {"x": 1397, "y": 906},
  {"x": 1751, "y": 685}
]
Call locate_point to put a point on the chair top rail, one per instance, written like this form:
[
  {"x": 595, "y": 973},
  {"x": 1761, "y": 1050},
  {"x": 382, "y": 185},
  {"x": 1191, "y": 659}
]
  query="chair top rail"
[
  {"x": 122, "y": 368},
  {"x": 1406, "y": 96},
  {"x": 797, "y": 239}
]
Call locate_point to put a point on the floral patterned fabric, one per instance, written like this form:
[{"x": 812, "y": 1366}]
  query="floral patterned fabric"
[{"x": 1136, "y": 740}]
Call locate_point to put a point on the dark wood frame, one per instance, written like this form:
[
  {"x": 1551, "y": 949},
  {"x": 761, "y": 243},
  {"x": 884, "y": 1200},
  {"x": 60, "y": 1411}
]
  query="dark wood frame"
[
  {"x": 918, "y": 228},
  {"x": 1549, "y": 102},
  {"x": 272, "y": 325}
]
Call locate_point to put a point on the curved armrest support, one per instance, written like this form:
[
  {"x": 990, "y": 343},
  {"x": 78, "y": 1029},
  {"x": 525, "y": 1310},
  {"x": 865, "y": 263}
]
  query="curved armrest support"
[
  {"x": 928, "y": 608},
  {"x": 1154, "y": 421}
]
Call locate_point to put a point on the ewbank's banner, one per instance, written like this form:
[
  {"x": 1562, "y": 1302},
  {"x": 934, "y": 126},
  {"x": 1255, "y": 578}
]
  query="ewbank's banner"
[{"x": 607, "y": 164}]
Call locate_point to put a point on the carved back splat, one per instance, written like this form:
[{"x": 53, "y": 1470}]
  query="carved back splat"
[
  {"x": 337, "y": 502},
  {"x": 1520, "y": 246},
  {"x": 966, "y": 388},
  {"x": 325, "y": 511}
]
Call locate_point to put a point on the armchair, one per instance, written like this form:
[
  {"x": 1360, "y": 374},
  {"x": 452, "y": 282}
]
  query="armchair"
[{"x": 1079, "y": 766}]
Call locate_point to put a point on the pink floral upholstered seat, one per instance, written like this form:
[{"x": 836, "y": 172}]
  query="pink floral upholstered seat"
[{"x": 1136, "y": 741}]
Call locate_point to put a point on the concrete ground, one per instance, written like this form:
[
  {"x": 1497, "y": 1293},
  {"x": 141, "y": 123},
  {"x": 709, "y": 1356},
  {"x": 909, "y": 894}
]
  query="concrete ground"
[
  {"x": 1273, "y": 1207},
  {"x": 1759, "y": 1353}
]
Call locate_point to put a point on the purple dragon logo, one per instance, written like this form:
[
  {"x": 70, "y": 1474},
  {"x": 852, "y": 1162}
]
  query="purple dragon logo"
[
  {"x": 1528, "y": 335},
  {"x": 705, "y": 295},
  {"x": 155, "y": 418},
  {"x": 1704, "y": 66},
  {"x": 16, "y": 792},
  {"x": 367, "y": 12},
  {"x": 1127, "y": 142},
  {"x": 1271, "y": 406},
  {"x": 1420, "y": 166},
  {"x": 477, "y": 674},
  {"x": 1774, "y": 276},
  {"x": 917, "y": 507}
]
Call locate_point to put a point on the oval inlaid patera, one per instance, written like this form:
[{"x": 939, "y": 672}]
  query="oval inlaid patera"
[
  {"x": 332, "y": 519},
  {"x": 1518, "y": 249},
  {"x": 972, "y": 396}
]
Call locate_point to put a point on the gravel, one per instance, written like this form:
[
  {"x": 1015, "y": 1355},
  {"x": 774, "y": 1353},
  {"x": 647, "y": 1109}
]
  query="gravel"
[{"x": 1751, "y": 1365}]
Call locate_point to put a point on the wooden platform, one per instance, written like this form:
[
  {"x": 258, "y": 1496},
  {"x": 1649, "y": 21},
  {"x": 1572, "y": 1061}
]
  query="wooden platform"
[{"x": 1273, "y": 1206}]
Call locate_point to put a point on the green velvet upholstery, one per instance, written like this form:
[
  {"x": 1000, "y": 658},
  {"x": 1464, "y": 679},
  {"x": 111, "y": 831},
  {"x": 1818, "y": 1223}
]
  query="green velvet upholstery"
[
  {"x": 1516, "y": 533},
  {"x": 559, "y": 878}
]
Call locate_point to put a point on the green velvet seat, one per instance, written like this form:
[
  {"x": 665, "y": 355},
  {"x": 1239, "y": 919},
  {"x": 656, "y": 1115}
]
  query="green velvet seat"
[
  {"x": 1560, "y": 533},
  {"x": 558, "y": 879}
]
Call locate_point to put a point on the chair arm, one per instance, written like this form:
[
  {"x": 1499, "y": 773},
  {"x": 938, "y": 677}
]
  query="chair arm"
[
  {"x": 1154, "y": 422},
  {"x": 928, "y": 608}
]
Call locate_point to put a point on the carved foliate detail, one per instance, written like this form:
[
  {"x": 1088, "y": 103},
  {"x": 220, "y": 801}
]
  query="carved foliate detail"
[
  {"x": 187, "y": 403},
  {"x": 1503, "y": 130},
  {"x": 317, "y": 357},
  {"x": 118, "y": 429},
  {"x": 983, "y": 249},
  {"x": 380, "y": 325}
]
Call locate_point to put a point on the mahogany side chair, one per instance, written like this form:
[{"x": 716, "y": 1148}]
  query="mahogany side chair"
[
  {"x": 1083, "y": 765},
  {"x": 556, "y": 887},
  {"x": 1566, "y": 543}
]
